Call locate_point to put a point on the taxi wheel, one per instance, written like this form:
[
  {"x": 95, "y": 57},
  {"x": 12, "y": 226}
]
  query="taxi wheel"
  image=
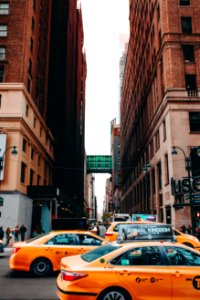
[
  {"x": 114, "y": 294},
  {"x": 41, "y": 267},
  {"x": 188, "y": 244}
]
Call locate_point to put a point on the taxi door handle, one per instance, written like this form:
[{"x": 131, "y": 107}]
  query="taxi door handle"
[
  {"x": 125, "y": 273},
  {"x": 177, "y": 274}
]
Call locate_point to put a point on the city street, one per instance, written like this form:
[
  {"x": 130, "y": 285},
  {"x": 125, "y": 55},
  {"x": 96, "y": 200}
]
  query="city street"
[{"x": 23, "y": 286}]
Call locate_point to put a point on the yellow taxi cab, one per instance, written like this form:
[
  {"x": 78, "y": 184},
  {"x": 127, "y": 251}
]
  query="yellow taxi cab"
[
  {"x": 186, "y": 239},
  {"x": 132, "y": 271},
  {"x": 41, "y": 255}
]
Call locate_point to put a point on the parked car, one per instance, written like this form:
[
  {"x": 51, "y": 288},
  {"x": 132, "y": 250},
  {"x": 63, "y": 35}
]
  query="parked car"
[
  {"x": 186, "y": 239},
  {"x": 131, "y": 271},
  {"x": 41, "y": 255}
]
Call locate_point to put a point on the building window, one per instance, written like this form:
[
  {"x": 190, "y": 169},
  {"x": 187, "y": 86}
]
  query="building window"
[
  {"x": 186, "y": 25},
  {"x": 2, "y": 73},
  {"x": 1, "y": 201},
  {"x": 151, "y": 149},
  {"x": 166, "y": 169},
  {"x": 40, "y": 131},
  {"x": 34, "y": 122},
  {"x": 3, "y": 30},
  {"x": 38, "y": 180},
  {"x": 31, "y": 176},
  {"x": 33, "y": 24},
  {"x": 188, "y": 53},
  {"x": 27, "y": 110},
  {"x": 157, "y": 140},
  {"x": 194, "y": 119},
  {"x": 31, "y": 44},
  {"x": 32, "y": 153},
  {"x": 164, "y": 131},
  {"x": 30, "y": 66},
  {"x": 190, "y": 82},
  {"x": 34, "y": 4},
  {"x": 39, "y": 159},
  {"x": 153, "y": 177},
  {"x": 4, "y": 8},
  {"x": 184, "y": 2},
  {"x": 23, "y": 172},
  {"x": 29, "y": 85},
  {"x": 24, "y": 145},
  {"x": 2, "y": 53},
  {"x": 159, "y": 173}
]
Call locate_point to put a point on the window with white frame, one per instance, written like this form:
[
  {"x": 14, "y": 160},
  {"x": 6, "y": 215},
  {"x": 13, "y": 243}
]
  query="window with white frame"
[
  {"x": 4, "y": 8},
  {"x": 2, "y": 53},
  {"x": 3, "y": 30}
]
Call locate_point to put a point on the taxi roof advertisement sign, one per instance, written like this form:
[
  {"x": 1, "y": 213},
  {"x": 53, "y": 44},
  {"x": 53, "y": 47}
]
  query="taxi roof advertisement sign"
[{"x": 135, "y": 232}]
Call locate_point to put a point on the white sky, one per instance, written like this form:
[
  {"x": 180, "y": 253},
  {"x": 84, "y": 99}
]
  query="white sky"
[{"x": 103, "y": 22}]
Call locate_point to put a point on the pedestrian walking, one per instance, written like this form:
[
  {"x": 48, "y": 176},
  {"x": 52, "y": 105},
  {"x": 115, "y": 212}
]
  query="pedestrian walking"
[
  {"x": 8, "y": 235},
  {"x": 183, "y": 228},
  {"x": 16, "y": 233},
  {"x": 22, "y": 231},
  {"x": 1, "y": 233},
  {"x": 189, "y": 229}
]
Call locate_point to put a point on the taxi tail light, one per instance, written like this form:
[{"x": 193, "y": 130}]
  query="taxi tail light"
[
  {"x": 108, "y": 234},
  {"x": 15, "y": 250},
  {"x": 71, "y": 276}
]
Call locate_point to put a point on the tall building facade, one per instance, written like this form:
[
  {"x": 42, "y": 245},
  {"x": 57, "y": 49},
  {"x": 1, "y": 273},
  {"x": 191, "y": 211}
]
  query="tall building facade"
[
  {"x": 42, "y": 82},
  {"x": 24, "y": 54},
  {"x": 66, "y": 100},
  {"x": 160, "y": 109}
]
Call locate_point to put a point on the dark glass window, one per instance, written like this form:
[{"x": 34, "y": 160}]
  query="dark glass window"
[
  {"x": 24, "y": 145},
  {"x": 184, "y": 2},
  {"x": 99, "y": 251},
  {"x": 190, "y": 82},
  {"x": 31, "y": 176},
  {"x": 159, "y": 173},
  {"x": 140, "y": 256},
  {"x": 188, "y": 53},
  {"x": 182, "y": 257},
  {"x": 32, "y": 153},
  {"x": 2, "y": 53},
  {"x": 194, "y": 119},
  {"x": 186, "y": 25},
  {"x": 166, "y": 169},
  {"x": 23, "y": 172},
  {"x": 1, "y": 73}
]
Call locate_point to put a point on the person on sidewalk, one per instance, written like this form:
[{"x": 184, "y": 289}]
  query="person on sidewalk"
[
  {"x": 16, "y": 233},
  {"x": 22, "y": 231},
  {"x": 1, "y": 233},
  {"x": 8, "y": 236}
]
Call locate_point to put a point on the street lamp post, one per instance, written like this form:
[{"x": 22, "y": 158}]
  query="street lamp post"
[
  {"x": 2, "y": 157},
  {"x": 188, "y": 168}
]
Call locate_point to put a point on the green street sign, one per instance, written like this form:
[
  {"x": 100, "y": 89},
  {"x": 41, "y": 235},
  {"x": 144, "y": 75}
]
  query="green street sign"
[{"x": 99, "y": 164}]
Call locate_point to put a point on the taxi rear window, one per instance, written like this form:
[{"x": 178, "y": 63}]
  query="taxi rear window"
[
  {"x": 145, "y": 232},
  {"x": 99, "y": 251}
]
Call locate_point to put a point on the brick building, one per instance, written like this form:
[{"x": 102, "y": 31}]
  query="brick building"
[
  {"x": 160, "y": 109},
  {"x": 41, "y": 110}
]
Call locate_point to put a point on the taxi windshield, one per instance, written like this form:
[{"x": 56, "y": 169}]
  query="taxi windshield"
[{"x": 99, "y": 251}]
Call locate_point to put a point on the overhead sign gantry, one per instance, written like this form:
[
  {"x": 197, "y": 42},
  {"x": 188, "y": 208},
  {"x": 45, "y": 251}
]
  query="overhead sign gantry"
[{"x": 99, "y": 164}]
